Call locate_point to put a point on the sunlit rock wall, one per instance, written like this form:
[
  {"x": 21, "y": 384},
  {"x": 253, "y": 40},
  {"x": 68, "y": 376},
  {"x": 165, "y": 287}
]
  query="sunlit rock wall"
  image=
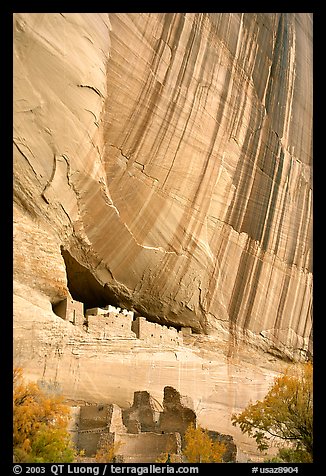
[{"x": 169, "y": 156}]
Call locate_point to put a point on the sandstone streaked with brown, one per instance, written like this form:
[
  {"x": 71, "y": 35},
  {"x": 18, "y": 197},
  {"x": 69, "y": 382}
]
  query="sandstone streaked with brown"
[{"x": 170, "y": 154}]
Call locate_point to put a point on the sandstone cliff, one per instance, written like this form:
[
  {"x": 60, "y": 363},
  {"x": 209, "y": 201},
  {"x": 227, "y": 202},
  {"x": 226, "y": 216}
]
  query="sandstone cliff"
[{"x": 163, "y": 162}]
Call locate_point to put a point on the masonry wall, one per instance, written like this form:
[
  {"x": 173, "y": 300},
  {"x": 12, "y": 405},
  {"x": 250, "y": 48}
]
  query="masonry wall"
[
  {"x": 177, "y": 413},
  {"x": 143, "y": 415},
  {"x": 97, "y": 423},
  {"x": 114, "y": 322},
  {"x": 111, "y": 325},
  {"x": 71, "y": 311},
  {"x": 88, "y": 440},
  {"x": 95, "y": 311},
  {"x": 156, "y": 333},
  {"x": 75, "y": 312},
  {"x": 93, "y": 416},
  {"x": 147, "y": 445}
]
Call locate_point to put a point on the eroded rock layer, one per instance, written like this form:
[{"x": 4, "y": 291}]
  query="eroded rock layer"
[{"x": 163, "y": 162}]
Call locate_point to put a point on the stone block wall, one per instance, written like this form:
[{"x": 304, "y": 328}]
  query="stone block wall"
[
  {"x": 88, "y": 440},
  {"x": 143, "y": 415},
  {"x": 143, "y": 433},
  {"x": 113, "y": 322},
  {"x": 155, "y": 333},
  {"x": 230, "y": 454},
  {"x": 97, "y": 425},
  {"x": 115, "y": 423},
  {"x": 177, "y": 413},
  {"x": 70, "y": 310},
  {"x": 147, "y": 447},
  {"x": 110, "y": 325},
  {"x": 94, "y": 416},
  {"x": 95, "y": 311},
  {"x": 186, "y": 331},
  {"x": 73, "y": 424}
]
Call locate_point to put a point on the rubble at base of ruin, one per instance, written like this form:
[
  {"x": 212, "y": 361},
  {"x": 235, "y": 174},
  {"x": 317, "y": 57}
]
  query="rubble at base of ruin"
[
  {"x": 142, "y": 433},
  {"x": 112, "y": 322}
]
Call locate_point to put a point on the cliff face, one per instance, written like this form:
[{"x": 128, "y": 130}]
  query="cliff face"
[{"x": 163, "y": 162}]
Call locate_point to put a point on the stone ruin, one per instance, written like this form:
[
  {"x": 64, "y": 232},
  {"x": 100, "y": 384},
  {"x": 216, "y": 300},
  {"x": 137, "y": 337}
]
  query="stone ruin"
[
  {"x": 178, "y": 412},
  {"x": 109, "y": 322},
  {"x": 143, "y": 415},
  {"x": 71, "y": 311},
  {"x": 156, "y": 333},
  {"x": 143, "y": 432},
  {"x": 112, "y": 322}
]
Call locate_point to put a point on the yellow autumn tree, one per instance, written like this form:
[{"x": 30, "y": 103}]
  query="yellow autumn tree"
[
  {"x": 107, "y": 453},
  {"x": 199, "y": 448},
  {"x": 39, "y": 425},
  {"x": 286, "y": 414},
  {"x": 167, "y": 458}
]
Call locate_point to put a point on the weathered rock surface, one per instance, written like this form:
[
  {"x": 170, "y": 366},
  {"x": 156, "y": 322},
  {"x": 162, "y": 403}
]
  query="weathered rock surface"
[
  {"x": 170, "y": 156},
  {"x": 85, "y": 368},
  {"x": 162, "y": 163}
]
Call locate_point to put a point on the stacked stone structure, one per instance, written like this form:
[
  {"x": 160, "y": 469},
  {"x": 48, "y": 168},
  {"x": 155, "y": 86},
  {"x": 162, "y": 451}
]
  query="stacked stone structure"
[
  {"x": 156, "y": 333},
  {"x": 143, "y": 415},
  {"x": 70, "y": 310},
  {"x": 178, "y": 412},
  {"x": 110, "y": 322},
  {"x": 145, "y": 431}
]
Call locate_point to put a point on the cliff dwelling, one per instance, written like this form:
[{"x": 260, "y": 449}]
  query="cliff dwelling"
[
  {"x": 84, "y": 288},
  {"x": 110, "y": 322},
  {"x": 87, "y": 308},
  {"x": 163, "y": 205}
]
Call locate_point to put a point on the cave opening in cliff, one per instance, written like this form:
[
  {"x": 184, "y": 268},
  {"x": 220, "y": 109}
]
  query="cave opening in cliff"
[{"x": 84, "y": 287}]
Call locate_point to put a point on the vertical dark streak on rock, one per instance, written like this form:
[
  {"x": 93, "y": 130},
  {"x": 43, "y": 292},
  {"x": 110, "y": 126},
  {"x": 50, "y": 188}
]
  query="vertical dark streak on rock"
[
  {"x": 243, "y": 177},
  {"x": 265, "y": 227},
  {"x": 269, "y": 216},
  {"x": 260, "y": 214},
  {"x": 245, "y": 267},
  {"x": 295, "y": 325},
  {"x": 183, "y": 80},
  {"x": 257, "y": 269},
  {"x": 276, "y": 53},
  {"x": 210, "y": 164},
  {"x": 170, "y": 37},
  {"x": 149, "y": 95},
  {"x": 279, "y": 315},
  {"x": 281, "y": 220}
]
